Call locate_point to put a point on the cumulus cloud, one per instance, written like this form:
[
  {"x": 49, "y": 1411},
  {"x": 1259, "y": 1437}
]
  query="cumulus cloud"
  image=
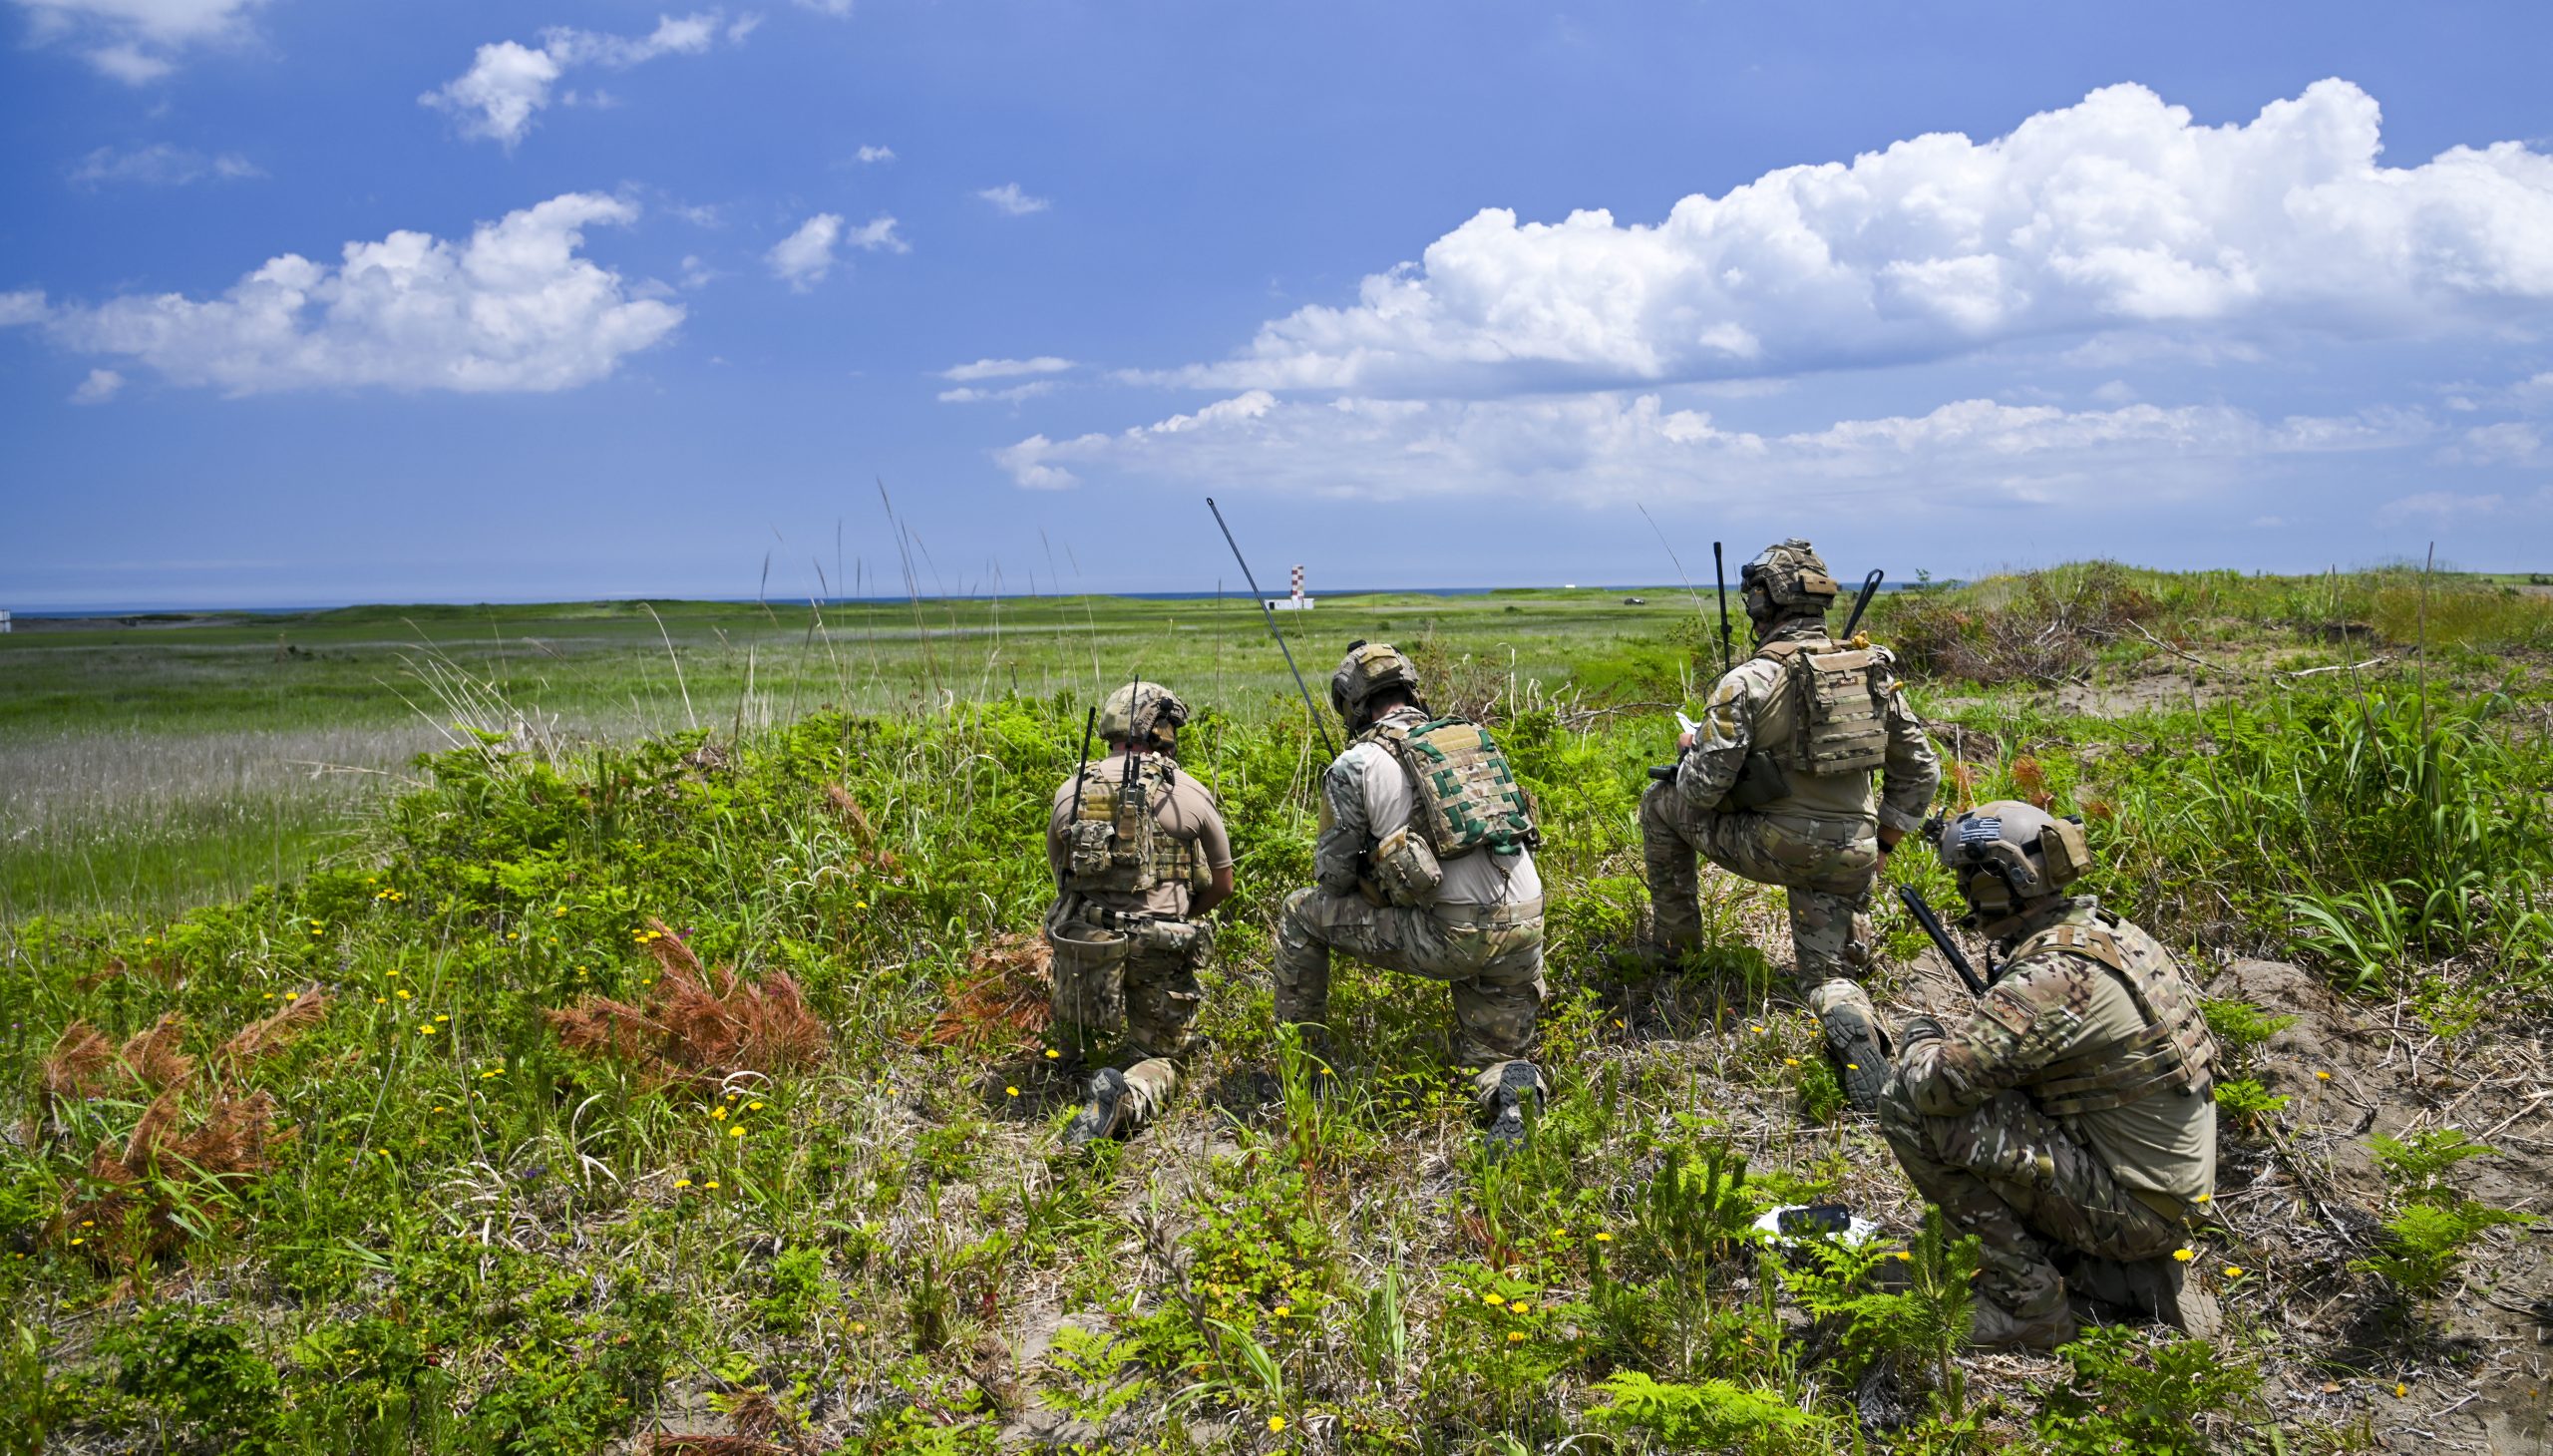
[
  {"x": 806, "y": 257},
  {"x": 2117, "y": 213},
  {"x": 1612, "y": 445},
  {"x": 1005, "y": 368},
  {"x": 136, "y": 41},
  {"x": 158, "y": 166},
  {"x": 101, "y": 386},
  {"x": 869, "y": 155},
  {"x": 1009, "y": 199},
  {"x": 507, "y": 83},
  {"x": 511, "y": 309}
]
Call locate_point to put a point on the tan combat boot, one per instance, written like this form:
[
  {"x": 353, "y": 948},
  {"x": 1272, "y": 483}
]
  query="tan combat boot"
[
  {"x": 2161, "y": 1287},
  {"x": 1997, "y": 1328}
]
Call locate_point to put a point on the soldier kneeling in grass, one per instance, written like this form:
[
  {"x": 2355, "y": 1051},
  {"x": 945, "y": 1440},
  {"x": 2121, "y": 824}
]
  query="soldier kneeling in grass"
[
  {"x": 1425, "y": 866},
  {"x": 1140, "y": 854},
  {"x": 2069, "y": 1122}
]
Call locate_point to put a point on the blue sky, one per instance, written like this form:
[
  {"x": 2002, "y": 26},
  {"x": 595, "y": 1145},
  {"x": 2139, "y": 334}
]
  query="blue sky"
[{"x": 303, "y": 301}]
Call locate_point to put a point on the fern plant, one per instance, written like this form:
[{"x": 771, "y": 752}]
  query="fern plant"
[
  {"x": 2426, "y": 1239},
  {"x": 1707, "y": 1415}
]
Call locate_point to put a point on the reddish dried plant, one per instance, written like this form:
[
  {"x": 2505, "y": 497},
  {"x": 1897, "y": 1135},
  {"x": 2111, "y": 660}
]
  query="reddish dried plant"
[
  {"x": 262, "y": 1038},
  {"x": 2030, "y": 776},
  {"x": 696, "y": 1027},
  {"x": 864, "y": 833},
  {"x": 142, "y": 1201},
  {"x": 1003, "y": 1001}
]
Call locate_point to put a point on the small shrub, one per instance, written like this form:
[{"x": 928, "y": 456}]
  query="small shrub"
[
  {"x": 2248, "y": 1103},
  {"x": 697, "y": 1027},
  {"x": 2115, "y": 1403},
  {"x": 2426, "y": 1239},
  {"x": 1713, "y": 1415}
]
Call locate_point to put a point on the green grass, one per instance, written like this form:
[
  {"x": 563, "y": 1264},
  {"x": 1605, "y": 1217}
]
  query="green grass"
[{"x": 473, "y": 1240}]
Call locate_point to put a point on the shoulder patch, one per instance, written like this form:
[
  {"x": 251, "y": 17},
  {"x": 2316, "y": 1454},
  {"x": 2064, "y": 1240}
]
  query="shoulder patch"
[{"x": 2009, "y": 1012}]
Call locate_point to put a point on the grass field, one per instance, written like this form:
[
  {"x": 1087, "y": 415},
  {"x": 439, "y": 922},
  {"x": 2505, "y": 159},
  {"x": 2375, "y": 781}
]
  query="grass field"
[{"x": 303, "y": 1162}]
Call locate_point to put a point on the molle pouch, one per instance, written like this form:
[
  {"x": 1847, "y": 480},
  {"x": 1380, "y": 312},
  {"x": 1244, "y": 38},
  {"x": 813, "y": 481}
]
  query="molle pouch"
[
  {"x": 1760, "y": 781},
  {"x": 1181, "y": 938},
  {"x": 1088, "y": 844},
  {"x": 1089, "y": 974},
  {"x": 1407, "y": 869}
]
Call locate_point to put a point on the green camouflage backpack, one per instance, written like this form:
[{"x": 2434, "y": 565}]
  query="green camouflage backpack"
[{"x": 1467, "y": 795}]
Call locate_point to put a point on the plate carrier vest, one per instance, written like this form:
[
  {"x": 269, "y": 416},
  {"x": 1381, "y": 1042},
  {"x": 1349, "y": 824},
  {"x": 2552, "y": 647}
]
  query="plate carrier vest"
[
  {"x": 1466, "y": 798},
  {"x": 1840, "y": 695},
  {"x": 2174, "y": 1050},
  {"x": 1117, "y": 846}
]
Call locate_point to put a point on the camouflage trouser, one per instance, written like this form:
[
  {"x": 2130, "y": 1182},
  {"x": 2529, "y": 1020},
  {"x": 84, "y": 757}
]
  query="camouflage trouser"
[
  {"x": 1154, "y": 995},
  {"x": 1827, "y": 865},
  {"x": 2011, "y": 1175},
  {"x": 1493, "y": 960}
]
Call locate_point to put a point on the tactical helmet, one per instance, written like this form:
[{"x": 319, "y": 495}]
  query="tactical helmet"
[
  {"x": 1367, "y": 669},
  {"x": 1141, "y": 712},
  {"x": 2007, "y": 854},
  {"x": 1786, "y": 578}
]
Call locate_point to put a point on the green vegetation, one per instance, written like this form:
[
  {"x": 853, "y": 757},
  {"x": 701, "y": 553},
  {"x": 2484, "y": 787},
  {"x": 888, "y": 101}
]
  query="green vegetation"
[{"x": 660, "y": 1052}]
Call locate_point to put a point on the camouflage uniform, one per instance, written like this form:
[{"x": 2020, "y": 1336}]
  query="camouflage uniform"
[
  {"x": 2072, "y": 1110},
  {"x": 1153, "y": 992},
  {"x": 1482, "y": 934},
  {"x": 1819, "y": 841}
]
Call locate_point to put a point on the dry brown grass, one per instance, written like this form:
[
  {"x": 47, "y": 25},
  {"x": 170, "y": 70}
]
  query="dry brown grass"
[
  {"x": 696, "y": 1027},
  {"x": 1004, "y": 1003},
  {"x": 862, "y": 832},
  {"x": 263, "y": 1038},
  {"x": 2047, "y": 629},
  {"x": 151, "y": 1197}
]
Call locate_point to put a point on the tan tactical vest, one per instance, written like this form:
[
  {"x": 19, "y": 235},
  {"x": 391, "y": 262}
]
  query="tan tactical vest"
[
  {"x": 2174, "y": 1050},
  {"x": 1117, "y": 846},
  {"x": 1839, "y": 696}
]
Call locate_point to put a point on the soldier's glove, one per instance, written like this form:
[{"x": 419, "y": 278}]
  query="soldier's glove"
[{"x": 1916, "y": 1029}]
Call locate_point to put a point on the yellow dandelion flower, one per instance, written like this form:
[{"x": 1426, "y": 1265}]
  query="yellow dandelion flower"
[
  {"x": 713, "y": 1183},
  {"x": 717, "y": 1114},
  {"x": 1903, "y": 1257},
  {"x": 2205, "y": 1196},
  {"x": 1494, "y": 1302},
  {"x": 1052, "y": 1055},
  {"x": 514, "y": 934},
  {"x": 381, "y": 1000},
  {"x": 753, "y": 1107},
  {"x": 1604, "y": 1237},
  {"x": 392, "y": 971},
  {"x": 1522, "y": 1306},
  {"x": 443, "y": 1018},
  {"x": 2185, "y": 1255},
  {"x": 88, "y": 1223},
  {"x": 2233, "y": 1271},
  {"x": 2322, "y": 1076},
  {"x": 402, "y": 995},
  {"x": 2400, "y": 1391},
  {"x": 1791, "y": 1061},
  {"x": 75, "y": 1243},
  {"x": 1013, "y": 1091},
  {"x": 1276, "y": 1423},
  {"x": 682, "y": 1182},
  {"x": 292, "y": 995},
  {"x": 1282, "y": 1310},
  {"x": 1515, "y": 1336},
  {"x": 735, "y": 1132}
]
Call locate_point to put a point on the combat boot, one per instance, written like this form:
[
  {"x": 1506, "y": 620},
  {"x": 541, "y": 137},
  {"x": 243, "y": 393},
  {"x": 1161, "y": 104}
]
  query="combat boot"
[
  {"x": 1098, "y": 1117},
  {"x": 1997, "y": 1328},
  {"x": 1853, "y": 1040},
  {"x": 1520, "y": 1091},
  {"x": 2160, "y": 1287}
]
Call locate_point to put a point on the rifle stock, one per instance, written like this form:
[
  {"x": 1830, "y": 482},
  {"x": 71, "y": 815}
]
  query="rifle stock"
[{"x": 1913, "y": 899}]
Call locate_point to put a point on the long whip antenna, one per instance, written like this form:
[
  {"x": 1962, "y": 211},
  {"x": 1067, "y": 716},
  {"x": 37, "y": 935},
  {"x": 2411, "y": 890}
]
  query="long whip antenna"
[{"x": 1264, "y": 612}]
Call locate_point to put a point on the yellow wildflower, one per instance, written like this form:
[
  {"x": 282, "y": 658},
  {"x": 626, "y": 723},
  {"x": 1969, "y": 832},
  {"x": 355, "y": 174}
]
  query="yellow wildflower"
[
  {"x": 2233, "y": 1271},
  {"x": 2185, "y": 1255},
  {"x": 1604, "y": 1237},
  {"x": 735, "y": 1132},
  {"x": 1013, "y": 1091},
  {"x": 717, "y": 1114},
  {"x": 1282, "y": 1310},
  {"x": 682, "y": 1182},
  {"x": 1515, "y": 1336},
  {"x": 1494, "y": 1302},
  {"x": 1276, "y": 1423}
]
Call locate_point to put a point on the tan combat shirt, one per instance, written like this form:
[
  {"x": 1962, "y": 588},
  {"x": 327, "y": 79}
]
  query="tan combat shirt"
[
  {"x": 2051, "y": 1006},
  {"x": 1369, "y": 796},
  {"x": 1186, "y": 813}
]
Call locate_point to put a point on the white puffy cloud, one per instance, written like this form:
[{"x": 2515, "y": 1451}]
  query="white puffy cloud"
[
  {"x": 1612, "y": 445},
  {"x": 2117, "y": 213},
  {"x": 2509, "y": 442},
  {"x": 1009, "y": 199},
  {"x": 835, "y": 8},
  {"x": 806, "y": 257},
  {"x": 101, "y": 386},
  {"x": 508, "y": 81},
  {"x": 160, "y": 166},
  {"x": 1005, "y": 368},
  {"x": 25, "y": 306},
  {"x": 878, "y": 235},
  {"x": 867, "y": 154},
  {"x": 136, "y": 41},
  {"x": 511, "y": 309}
]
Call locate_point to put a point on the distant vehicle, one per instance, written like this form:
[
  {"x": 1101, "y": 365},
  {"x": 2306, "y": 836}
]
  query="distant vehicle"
[{"x": 1635, "y": 601}]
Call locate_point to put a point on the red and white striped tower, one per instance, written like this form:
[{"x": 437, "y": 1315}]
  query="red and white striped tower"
[{"x": 1298, "y": 587}]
